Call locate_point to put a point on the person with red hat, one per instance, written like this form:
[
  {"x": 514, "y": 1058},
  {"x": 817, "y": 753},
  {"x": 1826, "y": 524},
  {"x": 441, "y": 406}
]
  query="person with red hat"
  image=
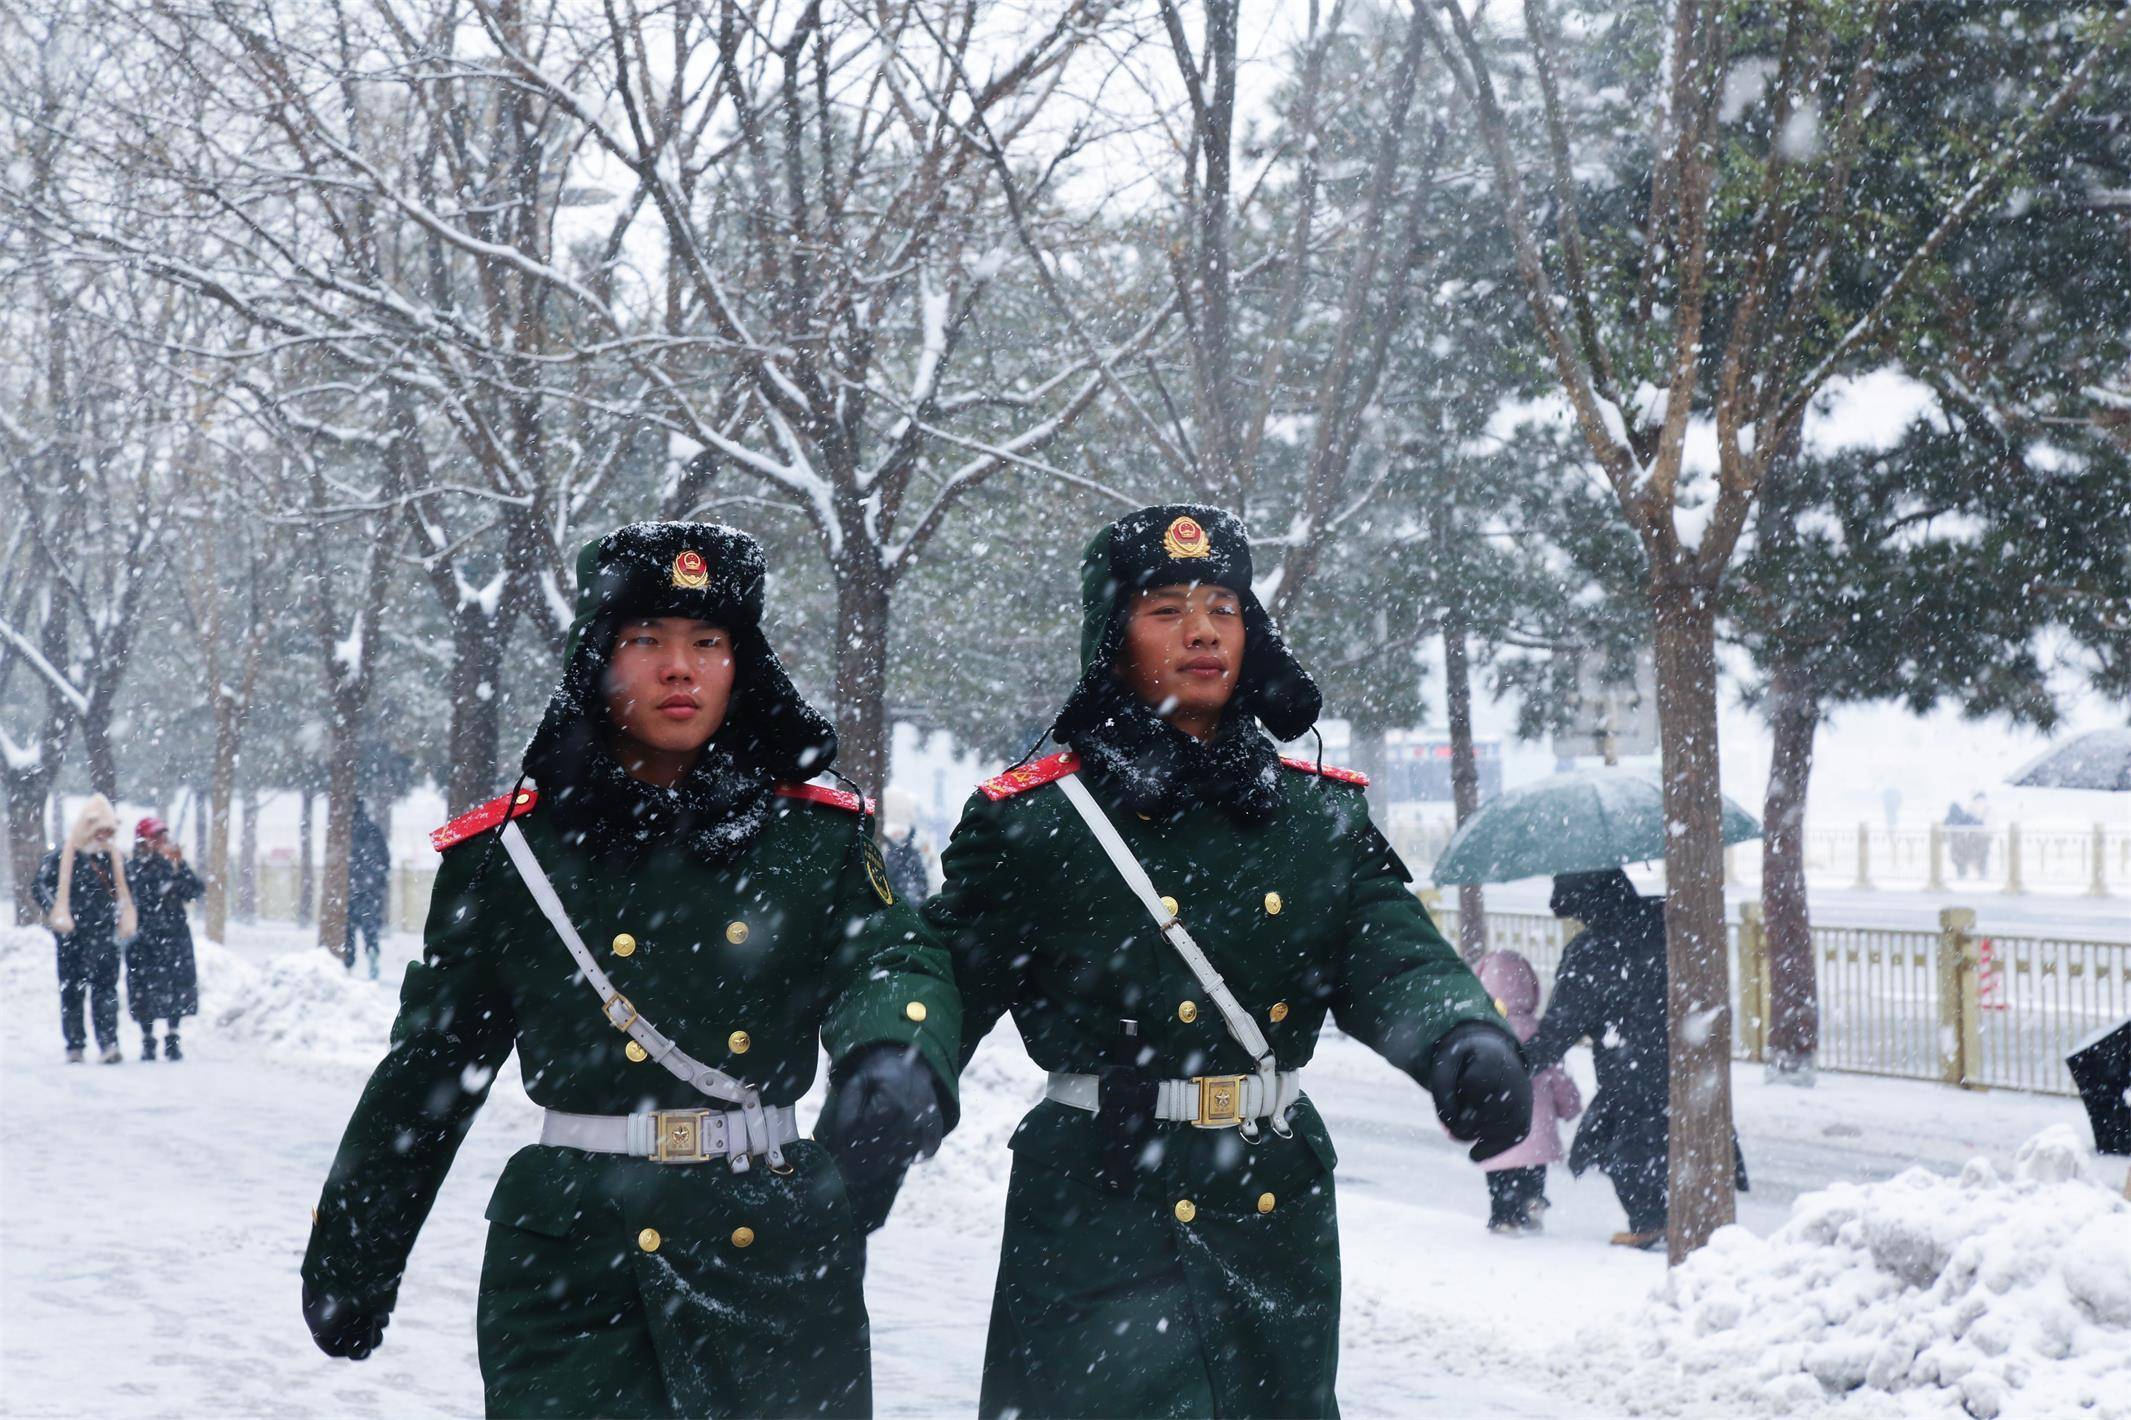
[{"x": 162, "y": 979}]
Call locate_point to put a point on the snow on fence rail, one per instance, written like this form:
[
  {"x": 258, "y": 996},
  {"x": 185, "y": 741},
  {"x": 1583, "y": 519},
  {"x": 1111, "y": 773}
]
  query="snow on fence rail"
[
  {"x": 2014, "y": 858},
  {"x": 1957, "y": 1006}
]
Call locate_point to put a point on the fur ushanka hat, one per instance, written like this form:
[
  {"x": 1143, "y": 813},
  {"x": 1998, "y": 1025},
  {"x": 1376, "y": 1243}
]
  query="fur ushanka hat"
[
  {"x": 1159, "y": 546},
  {"x": 700, "y": 570}
]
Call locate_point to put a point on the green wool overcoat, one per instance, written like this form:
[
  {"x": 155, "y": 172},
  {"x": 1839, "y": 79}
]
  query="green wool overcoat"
[
  {"x": 612, "y": 1285},
  {"x": 1204, "y": 1280}
]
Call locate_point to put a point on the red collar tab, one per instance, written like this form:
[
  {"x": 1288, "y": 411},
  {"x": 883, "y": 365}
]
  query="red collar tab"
[
  {"x": 822, "y": 794},
  {"x": 1030, "y": 776},
  {"x": 475, "y": 822},
  {"x": 1345, "y": 776}
]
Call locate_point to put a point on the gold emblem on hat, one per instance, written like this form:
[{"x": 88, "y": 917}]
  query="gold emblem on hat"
[
  {"x": 1186, "y": 538},
  {"x": 690, "y": 571}
]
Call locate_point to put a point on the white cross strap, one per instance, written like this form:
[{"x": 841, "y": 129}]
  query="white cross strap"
[
  {"x": 1239, "y": 1022},
  {"x": 622, "y": 1014}
]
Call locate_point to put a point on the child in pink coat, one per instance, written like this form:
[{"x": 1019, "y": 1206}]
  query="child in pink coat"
[{"x": 1516, "y": 1178}]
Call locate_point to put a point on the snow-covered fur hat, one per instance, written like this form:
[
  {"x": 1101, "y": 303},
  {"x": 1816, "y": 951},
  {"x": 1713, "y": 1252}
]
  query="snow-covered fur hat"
[
  {"x": 1161, "y": 546},
  {"x": 700, "y": 570},
  {"x": 770, "y": 733}
]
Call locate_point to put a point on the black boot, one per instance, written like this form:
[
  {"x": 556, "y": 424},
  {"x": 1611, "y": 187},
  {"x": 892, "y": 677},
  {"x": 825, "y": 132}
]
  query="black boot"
[
  {"x": 147, "y": 1045},
  {"x": 170, "y": 1046}
]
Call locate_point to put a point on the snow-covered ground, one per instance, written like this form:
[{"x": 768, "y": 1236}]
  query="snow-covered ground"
[{"x": 152, "y": 1217}]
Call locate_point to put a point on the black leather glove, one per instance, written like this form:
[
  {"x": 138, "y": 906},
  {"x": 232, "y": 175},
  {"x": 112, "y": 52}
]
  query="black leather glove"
[
  {"x": 340, "y": 1329},
  {"x": 883, "y": 1114},
  {"x": 1481, "y": 1090}
]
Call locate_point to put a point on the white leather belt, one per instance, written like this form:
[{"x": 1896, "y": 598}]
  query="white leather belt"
[
  {"x": 674, "y": 1136},
  {"x": 1208, "y": 1101}
]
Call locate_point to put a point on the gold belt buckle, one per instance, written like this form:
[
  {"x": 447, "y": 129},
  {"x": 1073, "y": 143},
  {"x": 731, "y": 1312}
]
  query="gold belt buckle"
[
  {"x": 678, "y": 1136},
  {"x": 1220, "y": 1101}
]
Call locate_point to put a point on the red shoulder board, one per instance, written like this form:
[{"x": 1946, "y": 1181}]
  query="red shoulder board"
[
  {"x": 821, "y": 794},
  {"x": 1030, "y": 776},
  {"x": 1330, "y": 771},
  {"x": 478, "y": 821}
]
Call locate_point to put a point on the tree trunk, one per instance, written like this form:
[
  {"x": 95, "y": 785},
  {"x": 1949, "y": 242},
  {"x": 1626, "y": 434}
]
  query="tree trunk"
[
  {"x": 99, "y": 754},
  {"x": 222, "y": 785},
  {"x": 342, "y": 772},
  {"x": 248, "y": 859},
  {"x": 1794, "y": 997},
  {"x": 861, "y": 675},
  {"x": 476, "y": 728},
  {"x": 1464, "y": 778},
  {"x": 27, "y": 789},
  {"x": 1365, "y": 753},
  {"x": 1701, "y": 1179},
  {"x": 306, "y": 871}
]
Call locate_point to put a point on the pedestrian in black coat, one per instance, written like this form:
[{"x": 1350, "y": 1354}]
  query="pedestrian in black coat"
[
  {"x": 162, "y": 978},
  {"x": 1610, "y": 989},
  {"x": 369, "y": 880},
  {"x": 82, "y": 887}
]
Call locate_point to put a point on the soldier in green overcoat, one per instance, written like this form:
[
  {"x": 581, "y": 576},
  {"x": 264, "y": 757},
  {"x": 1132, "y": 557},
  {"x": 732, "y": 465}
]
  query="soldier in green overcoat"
[
  {"x": 1171, "y": 1245},
  {"x": 667, "y": 927}
]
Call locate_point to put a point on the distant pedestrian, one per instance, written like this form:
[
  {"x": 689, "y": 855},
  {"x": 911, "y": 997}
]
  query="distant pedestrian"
[
  {"x": 1516, "y": 1180},
  {"x": 162, "y": 978},
  {"x": 369, "y": 880},
  {"x": 1610, "y": 989},
  {"x": 1968, "y": 836},
  {"x": 908, "y": 865},
  {"x": 81, "y": 885}
]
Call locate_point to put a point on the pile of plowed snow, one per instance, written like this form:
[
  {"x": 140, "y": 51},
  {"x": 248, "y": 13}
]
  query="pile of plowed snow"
[
  {"x": 298, "y": 1004},
  {"x": 1923, "y": 1295}
]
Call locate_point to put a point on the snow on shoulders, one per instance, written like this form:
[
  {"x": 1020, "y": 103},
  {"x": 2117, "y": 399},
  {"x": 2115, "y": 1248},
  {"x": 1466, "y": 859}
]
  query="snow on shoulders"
[{"x": 1922, "y": 1295}]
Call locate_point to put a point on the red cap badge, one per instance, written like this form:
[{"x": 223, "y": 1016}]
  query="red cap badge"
[
  {"x": 690, "y": 571},
  {"x": 1186, "y": 538}
]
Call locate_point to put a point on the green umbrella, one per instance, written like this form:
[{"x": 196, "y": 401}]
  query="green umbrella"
[{"x": 1584, "y": 821}]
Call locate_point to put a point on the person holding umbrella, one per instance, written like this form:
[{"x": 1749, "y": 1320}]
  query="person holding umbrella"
[{"x": 1610, "y": 987}]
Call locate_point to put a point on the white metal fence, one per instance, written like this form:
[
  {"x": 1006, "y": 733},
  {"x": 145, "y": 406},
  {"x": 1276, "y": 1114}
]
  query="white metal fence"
[{"x": 1958, "y": 1005}]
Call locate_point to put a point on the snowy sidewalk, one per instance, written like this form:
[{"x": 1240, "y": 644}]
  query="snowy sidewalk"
[{"x": 152, "y": 1218}]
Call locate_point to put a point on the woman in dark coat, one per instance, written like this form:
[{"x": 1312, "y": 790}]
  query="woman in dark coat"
[
  {"x": 162, "y": 980},
  {"x": 1610, "y": 989},
  {"x": 81, "y": 885}
]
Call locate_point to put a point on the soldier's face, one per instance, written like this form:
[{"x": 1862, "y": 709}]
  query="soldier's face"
[
  {"x": 1183, "y": 649},
  {"x": 669, "y": 681}
]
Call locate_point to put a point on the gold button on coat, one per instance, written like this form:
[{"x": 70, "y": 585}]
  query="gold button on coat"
[
  {"x": 736, "y": 932},
  {"x": 624, "y": 944},
  {"x": 738, "y": 1042},
  {"x": 648, "y": 1239},
  {"x": 743, "y": 1237},
  {"x": 915, "y": 1011},
  {"x": 1169, "y": 905},
  {"x": 1187, "y": 1012},
  {"x": 1272, "y": 904},
  {"x": 1185, "y": 1210},
  {"x": 1265, "y": 1202},
  {"x": 1278, "y": 1013},
  {"x": 525, "y": 796},
  {"x": 636, "y": 1052}
]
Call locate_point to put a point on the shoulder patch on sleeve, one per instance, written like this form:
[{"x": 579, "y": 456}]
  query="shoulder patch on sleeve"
[
  {"x": 1330, "y": 771},
  {"x": 1030, "y": 776},
  {"x": 479, "y": 820},
  {"x": 822, "y": 794}
]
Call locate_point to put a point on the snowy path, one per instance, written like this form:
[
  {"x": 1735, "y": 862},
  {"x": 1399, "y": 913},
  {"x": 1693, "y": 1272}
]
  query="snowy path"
[{"x": 151, "y": 1220}]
